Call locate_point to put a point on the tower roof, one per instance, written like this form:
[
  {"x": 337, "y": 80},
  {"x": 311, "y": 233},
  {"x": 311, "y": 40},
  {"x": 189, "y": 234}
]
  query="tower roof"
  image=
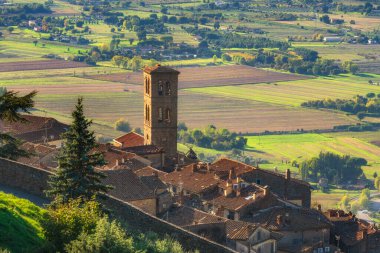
[{"x": 159, "y": 69}]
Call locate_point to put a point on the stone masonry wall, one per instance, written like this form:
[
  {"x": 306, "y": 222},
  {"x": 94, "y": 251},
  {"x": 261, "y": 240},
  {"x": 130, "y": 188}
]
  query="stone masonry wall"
[{"x": 34, "y": 180}]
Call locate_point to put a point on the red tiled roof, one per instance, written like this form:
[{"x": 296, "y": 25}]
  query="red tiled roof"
[
  {"x": 194, "y": 182},
  {"x": 131, "y": 139},
  {"x": 283, "y": 218},
  {"x": 112, "y": 156},
  {"x": 35, "y": 129},
  {"x": 127, "y": 185},
  {"x": 145, "y": 149},
  {"x": 149, "y": 171}
]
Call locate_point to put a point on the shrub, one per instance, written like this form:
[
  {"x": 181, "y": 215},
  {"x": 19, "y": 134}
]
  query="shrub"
[{"x": 123, "y": 126}]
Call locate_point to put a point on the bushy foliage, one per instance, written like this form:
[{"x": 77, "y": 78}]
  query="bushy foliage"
[
  {"x": 358, "y": 104},
  {"x": 211, "y": 137},
  {"x": 107, "y": 237},
  {"x": 335, "y": 168},
  {"x": 67, "y": 221},
  {"x": 123, "y": 126}
]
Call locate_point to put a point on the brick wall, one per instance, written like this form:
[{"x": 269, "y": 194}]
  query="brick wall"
[{"x": 34, "y": 180}]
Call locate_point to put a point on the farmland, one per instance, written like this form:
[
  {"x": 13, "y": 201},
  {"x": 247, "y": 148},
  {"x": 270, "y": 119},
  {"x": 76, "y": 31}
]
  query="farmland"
[
  {"x": 198, "y": 77},
  {"x": 43, "y": 64}
]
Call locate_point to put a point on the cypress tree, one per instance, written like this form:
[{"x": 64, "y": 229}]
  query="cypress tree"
[{"x": 76, "y": 176}]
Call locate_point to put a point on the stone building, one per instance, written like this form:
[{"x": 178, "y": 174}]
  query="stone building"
[
  {"x": 352, "y": 234},
  {"x": 161, "y": 108}
]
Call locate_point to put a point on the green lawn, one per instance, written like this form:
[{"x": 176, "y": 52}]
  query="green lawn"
[{"x": 20, "y": 223}]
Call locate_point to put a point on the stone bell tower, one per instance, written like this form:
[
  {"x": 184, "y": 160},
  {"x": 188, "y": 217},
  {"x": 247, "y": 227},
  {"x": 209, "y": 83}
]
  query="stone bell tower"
[{"x": 161, "y": 108}]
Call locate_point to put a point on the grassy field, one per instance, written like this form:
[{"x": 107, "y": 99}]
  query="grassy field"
[
  {"x": 293, "y": 93},
  {"x": 20, "y": 223}
]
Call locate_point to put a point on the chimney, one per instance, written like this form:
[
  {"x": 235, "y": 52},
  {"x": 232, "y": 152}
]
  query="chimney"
[
  {"x": 319, "y": 208},
  {"x": 266, "y": 190},
  {"x": 155, "y": 173},
  {"x": 117, "y": 162},
  {"x": 230, "y": 174},
  {"x": 122, "y": 160},
  {"x": 238, "y": 193},
  {"x": 364, "y": 233},
  {"x": 287, "y": 175}
]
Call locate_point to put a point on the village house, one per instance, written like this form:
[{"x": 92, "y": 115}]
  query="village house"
[
  {"x": 352, "y": 234},
  {"x": 285, "y": 186},
  {"x": 241, "y": 236},
  {"x": 35, "y": 129},
  {"x": 199, "y": 186},
  {"x": 303, "y": 229}
]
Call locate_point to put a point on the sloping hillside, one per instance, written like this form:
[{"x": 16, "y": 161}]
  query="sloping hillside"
[{"x": 20, "y": 224}]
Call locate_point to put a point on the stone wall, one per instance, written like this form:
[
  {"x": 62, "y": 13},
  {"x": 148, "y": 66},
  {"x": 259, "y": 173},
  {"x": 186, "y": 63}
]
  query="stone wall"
[{"x": 34, "y": 180}]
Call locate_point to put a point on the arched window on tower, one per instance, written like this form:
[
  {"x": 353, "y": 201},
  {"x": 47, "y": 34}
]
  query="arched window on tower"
[
  {"x": 160, "y": 88},
  {"x": 168, "y": 115},
  {"x": 146, "y": 112},
  {"x": 168, "y": 89},
  {"x": 160, "y": 114},
  {"x": 147, "y": 86}
]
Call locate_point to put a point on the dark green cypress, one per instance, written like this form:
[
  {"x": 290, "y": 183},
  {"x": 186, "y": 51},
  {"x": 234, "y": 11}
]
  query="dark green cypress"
[{"x": 76, "y": 176}]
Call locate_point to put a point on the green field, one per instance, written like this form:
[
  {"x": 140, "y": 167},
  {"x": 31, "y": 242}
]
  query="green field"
[{"x": 293, "y": 93}]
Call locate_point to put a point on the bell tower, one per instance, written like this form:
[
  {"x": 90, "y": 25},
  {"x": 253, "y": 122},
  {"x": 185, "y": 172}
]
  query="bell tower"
[{"x": 161, "y": 108}]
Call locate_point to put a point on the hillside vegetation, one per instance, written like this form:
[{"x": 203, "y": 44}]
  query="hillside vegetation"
[{"x": 20, "y": 224}]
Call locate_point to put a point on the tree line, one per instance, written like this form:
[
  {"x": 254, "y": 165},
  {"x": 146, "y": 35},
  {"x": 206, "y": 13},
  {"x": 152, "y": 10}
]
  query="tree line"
[{"x": 211, "y": 137}]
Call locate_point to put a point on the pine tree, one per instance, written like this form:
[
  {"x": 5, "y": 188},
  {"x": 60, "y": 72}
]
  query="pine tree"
[
  {"x": 10, "y": 107},
  {"x": 76, "y": 176}
]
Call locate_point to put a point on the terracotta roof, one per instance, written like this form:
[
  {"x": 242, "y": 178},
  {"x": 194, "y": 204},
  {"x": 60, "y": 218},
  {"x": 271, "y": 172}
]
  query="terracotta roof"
[
  {"x": 284, "y": 218},
  {"x": 160, "y": 69},
  {"x": 223, "y": 165},
  {"x": 144, "y": 149},
  {"x": 191, "y": 181},
  {"x": 112, "y": 156},
  {"x": 42, "y": 156},
  {"x": 186, "y": 216},
  {"x": 35, "y": 129},
  {"x": 127, "y": 185},
  {"x": 350, "y": 229},
  {"x": 233, "y": 202},
  {"x": 149, "y": 171},
  {"x": 131, "y": 139},
  {"x": 240, "y": 230}
]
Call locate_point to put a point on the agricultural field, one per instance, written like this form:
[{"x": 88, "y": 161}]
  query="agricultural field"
[
  {"x": 43, "y": 64},
  {"x": 198, "y": 77}
]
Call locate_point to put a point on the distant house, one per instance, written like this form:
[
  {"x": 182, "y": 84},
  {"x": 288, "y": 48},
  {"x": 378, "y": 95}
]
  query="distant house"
[
  {"x": 332, "y": 39},
  {"x": 240, "y": 236},
  {"x": 35, "y": 129},
  {"x": 128, "y": 140},
  {"x": 353, "y": 234},
  {"x": 303, "y": 229}
]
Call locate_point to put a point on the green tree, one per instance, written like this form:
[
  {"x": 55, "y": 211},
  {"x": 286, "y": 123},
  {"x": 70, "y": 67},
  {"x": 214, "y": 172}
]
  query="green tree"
[
  {"x": 107, "y": 237},
  {"x": 122, "y": 125},
  {"x": 76, "y": 176},
  {"x": 344, "y": 202},
  {"x": 11, "y": 106},
  {"x": 377, "y": 183},
  {"x": 65, "y": 222}
]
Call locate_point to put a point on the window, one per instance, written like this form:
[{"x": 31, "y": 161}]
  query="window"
[
  {"x": 258, "y": 181},
  {"x": 147, "y": 113},
  {"x": 160, "y": 114},
  {"x": 160, "y": 88},
  {"x": 168, "y": 90},
  {"x": 168, "y": 115},
  {"x": 147, "y": 86}
]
